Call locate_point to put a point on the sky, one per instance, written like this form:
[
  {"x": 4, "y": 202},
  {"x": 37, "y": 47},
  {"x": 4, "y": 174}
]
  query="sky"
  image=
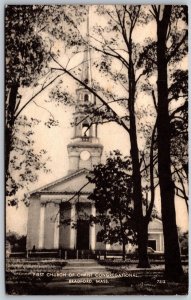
[{"x": 55, "y": 140}]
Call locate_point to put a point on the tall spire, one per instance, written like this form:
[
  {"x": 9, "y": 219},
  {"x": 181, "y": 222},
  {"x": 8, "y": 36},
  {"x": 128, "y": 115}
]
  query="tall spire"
[{"x": 86, "y": 70}]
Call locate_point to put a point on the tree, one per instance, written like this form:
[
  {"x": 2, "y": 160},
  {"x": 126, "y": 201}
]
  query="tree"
[
  {"x": 122, "y": 20},
  {"x": 181, "y": 184},
  {"x": 116, "y": 45},
  {"x": 163, "y": 57},
  {"x": 28, "y": 32},
  {"x": 183, "y": 239},
  {"x": 112, "y": 196},
  {"x": 178, "y": 91},
  {"x": 24, "y": 60},
  {"x": 25, "y": 162},
  {"x": 164, "y": 17},
  {"x": 17, "y": 242}
]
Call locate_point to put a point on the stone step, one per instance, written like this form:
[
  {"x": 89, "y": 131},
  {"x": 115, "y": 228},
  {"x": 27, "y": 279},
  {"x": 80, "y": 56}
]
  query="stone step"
[
  {"x": 97, "y": 268},
  {"x": 82, "y": 266},
  {"x": 84, "y": 261}
]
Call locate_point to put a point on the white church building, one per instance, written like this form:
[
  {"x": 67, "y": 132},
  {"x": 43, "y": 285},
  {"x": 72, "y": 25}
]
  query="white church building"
[{"x": 67, "y": 198}]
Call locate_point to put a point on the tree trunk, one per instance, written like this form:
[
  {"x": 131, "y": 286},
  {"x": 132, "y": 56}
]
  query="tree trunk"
[
  {"x": 137, "y": 188},
  {"x": 124, "y": 254},
  {"x": 138, "y": 211},
  {"x": 173, "y": 268},
  {"x": 9, "y": 124},
  {"x": 142, "y": 247},
  {"x": 123, "y": 236},
  {"x": 8, "y": 144}
]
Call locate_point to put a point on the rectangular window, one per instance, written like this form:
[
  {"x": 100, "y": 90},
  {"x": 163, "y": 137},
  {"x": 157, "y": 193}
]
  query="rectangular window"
[{"x": 152, "y": 244}]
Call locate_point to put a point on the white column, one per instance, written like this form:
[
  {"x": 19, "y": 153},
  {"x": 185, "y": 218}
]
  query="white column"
[
  {"x": 41, "y": 227},
  {"x": 161, "y": 243},
  {"x": 108, "y": 246},
  {"x": 73, "y": 230},
  {"x": 93, "y": 128},
  {"x": 92, "y": 233},
  {"x": 56, "y": 227}
]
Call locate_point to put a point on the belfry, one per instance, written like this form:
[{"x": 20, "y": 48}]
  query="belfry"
[
  {"x": 85, "y": 150},
  {"x": 59, "y": 203},
  {"x": 58, "y": 215}
]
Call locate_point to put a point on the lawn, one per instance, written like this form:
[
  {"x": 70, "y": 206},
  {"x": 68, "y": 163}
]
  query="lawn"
[{"x": 108, "y": 277}]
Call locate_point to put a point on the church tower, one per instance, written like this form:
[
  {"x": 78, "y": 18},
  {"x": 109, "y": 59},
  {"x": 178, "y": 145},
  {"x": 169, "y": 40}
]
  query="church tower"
[
  {"x": 57, "y": 206},
  {"x": 85, "y": 150}
]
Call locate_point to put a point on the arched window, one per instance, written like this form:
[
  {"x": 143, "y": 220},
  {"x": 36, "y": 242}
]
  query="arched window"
[{"x": 86, "y": 98}]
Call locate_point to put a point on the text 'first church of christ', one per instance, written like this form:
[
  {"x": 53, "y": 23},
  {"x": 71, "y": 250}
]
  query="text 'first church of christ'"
[{"x": 52, "y": 205}]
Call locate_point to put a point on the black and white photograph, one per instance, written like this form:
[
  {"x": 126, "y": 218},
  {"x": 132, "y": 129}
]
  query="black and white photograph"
[{"x": 96, "y": 149}]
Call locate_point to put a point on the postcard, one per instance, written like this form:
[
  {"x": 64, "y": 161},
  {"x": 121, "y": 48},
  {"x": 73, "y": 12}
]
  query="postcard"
[{"x": 96, "y": 149}]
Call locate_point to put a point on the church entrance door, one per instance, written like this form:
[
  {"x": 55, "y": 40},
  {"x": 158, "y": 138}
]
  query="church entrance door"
[{"x": 82, "y": 235}]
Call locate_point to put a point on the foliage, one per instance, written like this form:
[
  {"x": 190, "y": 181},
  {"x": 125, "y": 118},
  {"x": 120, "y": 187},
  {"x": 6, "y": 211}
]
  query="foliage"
[
  {"x": 176, "y": 51},
  {"x": 179, "y": 133},
  {"x": 183, "y": 239},
  {"x": 27, "y": 50},
  {"x": 25, "y": 162},
  {"x": 17, "y": 242},
  {"x": 131, "y": 67},
  {"x": 30, "y": 31},
  {"x": 178, "y": 92},
  {"x": 112, "y": 196},
  {"x": 24, "y": 49},
  {"x": 26, "y": 56},
  {"x": 171, "y": 48},
  {"x": 119, "y": 64}
]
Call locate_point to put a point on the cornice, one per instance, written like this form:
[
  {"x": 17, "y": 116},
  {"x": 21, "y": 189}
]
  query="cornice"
[{"x": 63, "y": 179}]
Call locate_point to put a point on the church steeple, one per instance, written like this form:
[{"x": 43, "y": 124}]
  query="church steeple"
[
  {"x": 84, "y": 96},
  {"x": 85, "y": 150},
  {"x": 86, "y": 70}
]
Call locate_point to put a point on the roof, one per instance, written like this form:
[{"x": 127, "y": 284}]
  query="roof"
[{"x": 61, "y": 180}]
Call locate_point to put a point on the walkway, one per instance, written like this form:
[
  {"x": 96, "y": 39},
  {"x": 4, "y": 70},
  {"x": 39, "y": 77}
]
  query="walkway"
[{"x": 86, "y": 277}]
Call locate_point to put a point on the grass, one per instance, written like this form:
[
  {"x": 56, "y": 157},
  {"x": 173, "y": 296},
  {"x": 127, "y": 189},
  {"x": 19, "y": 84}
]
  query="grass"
[{"x": 20, "y": 279}]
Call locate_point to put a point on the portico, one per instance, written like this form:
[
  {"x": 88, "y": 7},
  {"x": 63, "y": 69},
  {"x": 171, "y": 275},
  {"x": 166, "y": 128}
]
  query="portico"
[{"x": 62, "y": 223}]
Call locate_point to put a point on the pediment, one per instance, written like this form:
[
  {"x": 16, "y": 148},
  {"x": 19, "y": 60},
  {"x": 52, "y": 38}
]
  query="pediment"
[
  {"x": 155, "y": 225},
  {"x": 68, "y": 184}
]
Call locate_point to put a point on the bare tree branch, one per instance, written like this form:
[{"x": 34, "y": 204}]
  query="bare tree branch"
[
  {"x": 152, "y": 188},
  {"x": 154, "y": 100},
  {"x": 38, "y": 93},
  {"x": 93, "y": 92},
  {"x": 44, "y": 109}
]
